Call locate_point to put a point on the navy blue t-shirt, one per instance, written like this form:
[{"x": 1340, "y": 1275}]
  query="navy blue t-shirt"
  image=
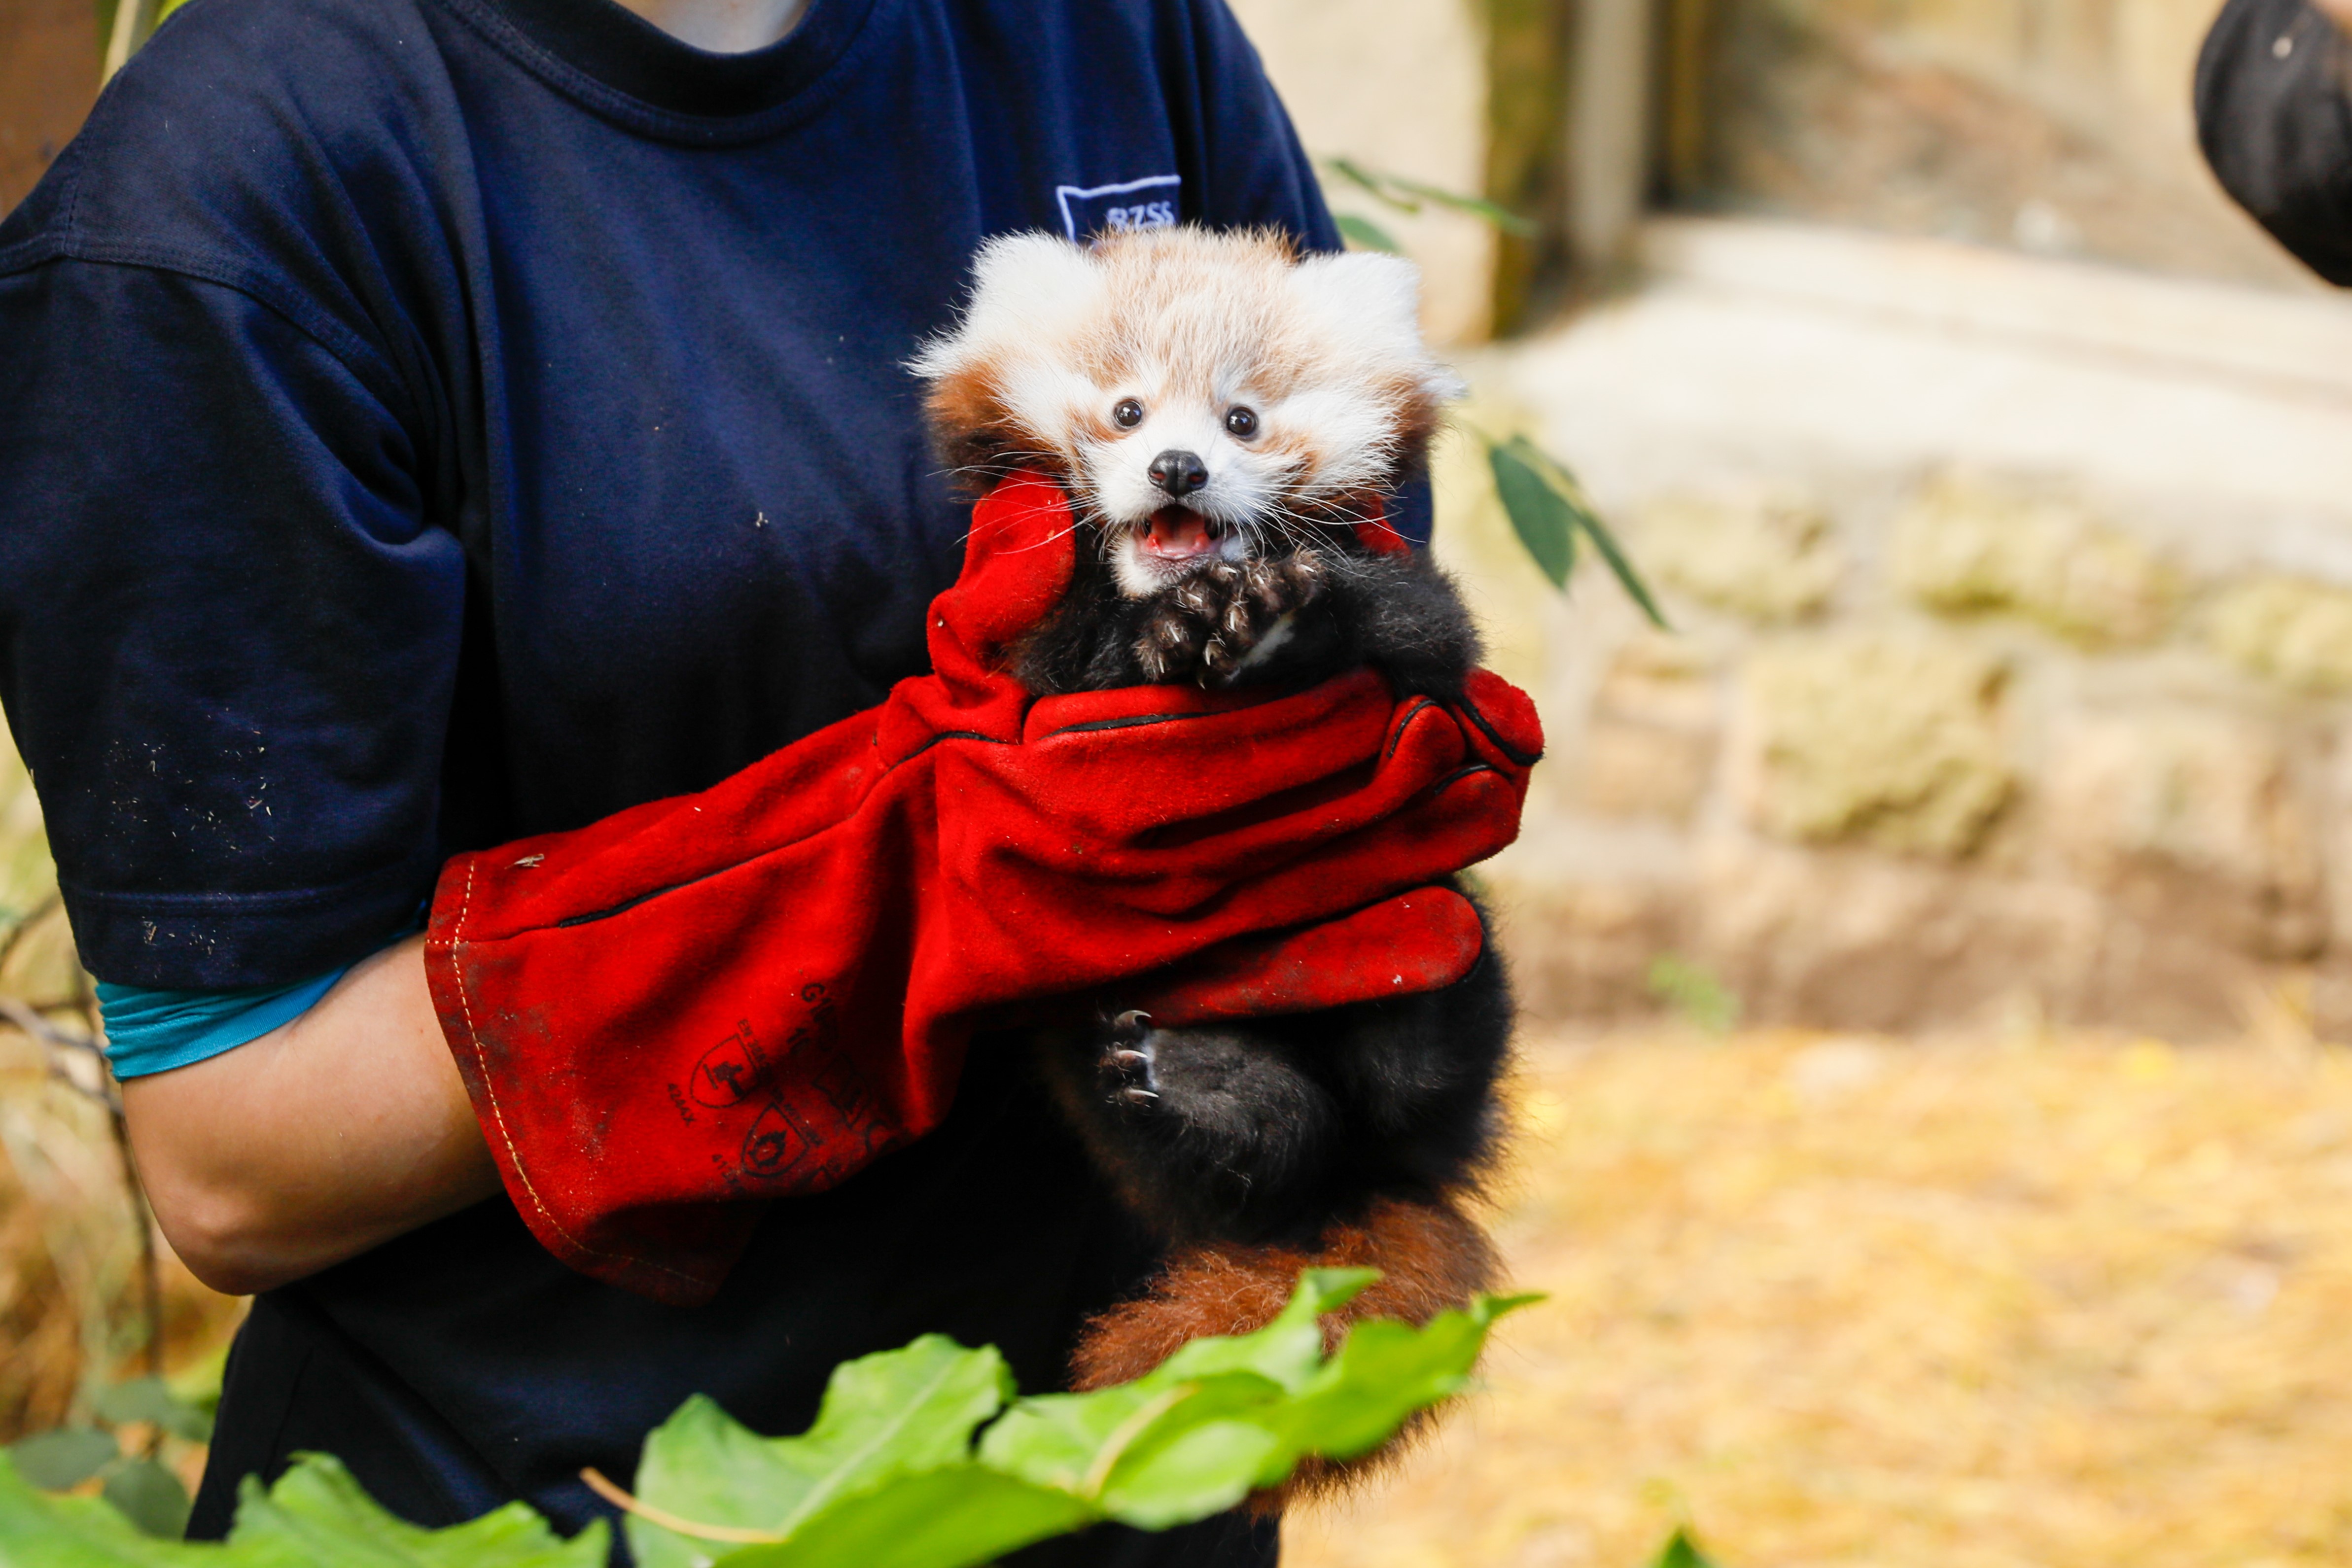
[{"x": 425, "y": 422}]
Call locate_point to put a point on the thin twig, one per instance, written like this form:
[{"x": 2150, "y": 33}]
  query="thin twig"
[
  {"x": 47, "y": 1034},
  {"x": 25, "y": 924},
  {"x": 151, "y": 1271}
]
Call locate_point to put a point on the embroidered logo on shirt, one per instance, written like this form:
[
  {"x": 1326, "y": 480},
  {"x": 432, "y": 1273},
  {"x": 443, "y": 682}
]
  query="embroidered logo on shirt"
[{"x": 1092, "y": 210}]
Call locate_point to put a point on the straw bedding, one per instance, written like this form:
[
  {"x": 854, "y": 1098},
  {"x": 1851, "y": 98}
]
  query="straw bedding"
[{"x": 2036, "y": 1301}]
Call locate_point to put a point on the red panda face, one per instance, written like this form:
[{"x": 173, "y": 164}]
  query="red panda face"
[{"x": 1202, "y": 396}]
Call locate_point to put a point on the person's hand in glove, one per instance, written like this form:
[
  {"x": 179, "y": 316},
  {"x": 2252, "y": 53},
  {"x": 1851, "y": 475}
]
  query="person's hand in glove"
[{"x": 753, "y": 991}]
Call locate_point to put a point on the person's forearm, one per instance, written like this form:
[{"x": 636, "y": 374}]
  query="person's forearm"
[{"x": 337, "y": 1131}]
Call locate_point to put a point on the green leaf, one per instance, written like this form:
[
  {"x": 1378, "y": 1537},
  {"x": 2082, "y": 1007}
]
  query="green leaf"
[
  {"x": 1620, "y": 566},
  {"x": 1503, "y": 218},
  {"x": 1364, "y": 233},
  {"x": 150, "y": 1399},
  {"x": 318, "y": 1515},
  {"x": 65, "y": 1457},
  {"x": 1562, "y": 513},
  {"x": 149, "y": 1496},
  {"x": 41, "y": 1531},
  {"x": 1226, "y": 1417},
  {"x": 1370, "y": 183},
  {"x": 1682, "y": 1552},
  {"x": 1388, "y": 1370},
  {"x": 1540, "y": 514},
  {"x": 949, "y": 1518},
  {"x": 1151, "y": 1453},
  {"x": 887, "y": 1478},
  {"x": 882, "y": 1415},
  {"x": 1407, "y": 196},
  {"x": 1197, "y": 1433},
  {"x": 1288, "y": 1350}
]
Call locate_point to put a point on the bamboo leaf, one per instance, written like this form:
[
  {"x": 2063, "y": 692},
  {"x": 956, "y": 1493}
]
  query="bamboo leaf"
[
  {"x": 1364, "y": 233},
  {"x": 1620, "y": 566},
  {"x": 1540, "y": 514},
  {"x": 1380, "y": 187},
  {"x": 1503, "y": 218},
  {"x": 1582, "y": 518},
  {"x": 1407, "y": 195}
]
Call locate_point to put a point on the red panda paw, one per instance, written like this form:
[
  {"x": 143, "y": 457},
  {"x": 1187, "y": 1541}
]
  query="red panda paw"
[{"x": 1206, "y": 628}]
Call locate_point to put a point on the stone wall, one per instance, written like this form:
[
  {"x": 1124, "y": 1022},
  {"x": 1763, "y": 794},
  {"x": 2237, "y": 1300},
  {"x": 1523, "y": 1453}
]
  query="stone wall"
[{"x": 2011, "y": 674}]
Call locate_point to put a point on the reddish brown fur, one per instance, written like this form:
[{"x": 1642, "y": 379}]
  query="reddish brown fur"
[{"x": 1433, "y": 1258}]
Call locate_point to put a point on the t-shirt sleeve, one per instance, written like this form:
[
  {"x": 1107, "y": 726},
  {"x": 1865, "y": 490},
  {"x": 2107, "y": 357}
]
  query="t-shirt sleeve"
[
  {"x": 229, "y": 634},
  {"x": 2275, "y": 116}
]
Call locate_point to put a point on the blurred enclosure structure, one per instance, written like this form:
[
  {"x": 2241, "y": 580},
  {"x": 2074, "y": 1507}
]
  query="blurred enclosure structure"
[
  {"x": 1996, "y": 475},
  {"x": 1996, "y": 471}
]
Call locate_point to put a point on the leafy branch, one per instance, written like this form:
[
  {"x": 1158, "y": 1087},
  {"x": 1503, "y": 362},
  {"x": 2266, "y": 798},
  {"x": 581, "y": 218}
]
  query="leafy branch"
[
  {"x": 1401, "y": 194},
  {"x": 1548, "y": 509},
  {"x": 1547, "y": 505},
  {"x": 919, "y": 1457}
]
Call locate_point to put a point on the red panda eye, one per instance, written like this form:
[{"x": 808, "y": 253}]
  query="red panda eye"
[
  {"x": 1241, "y": 421},
  {"x": 1128, "y": 414}
]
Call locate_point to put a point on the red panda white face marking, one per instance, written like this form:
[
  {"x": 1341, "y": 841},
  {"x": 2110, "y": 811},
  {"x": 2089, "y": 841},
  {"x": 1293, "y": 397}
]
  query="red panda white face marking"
[{"x": 1199, "y": 394}]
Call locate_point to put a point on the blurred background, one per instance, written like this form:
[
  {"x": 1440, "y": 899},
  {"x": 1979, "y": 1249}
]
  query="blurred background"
[{"x": 1930, "y": 1134}]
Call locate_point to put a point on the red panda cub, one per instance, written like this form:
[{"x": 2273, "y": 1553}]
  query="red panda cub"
[{"x": 1222, "y": 412}]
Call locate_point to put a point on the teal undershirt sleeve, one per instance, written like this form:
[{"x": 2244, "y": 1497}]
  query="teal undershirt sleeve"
[{"x": 151, "y": 1031}]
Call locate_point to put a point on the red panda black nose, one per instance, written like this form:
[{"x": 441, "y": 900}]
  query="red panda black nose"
[{"x": 1179, "y": 472}]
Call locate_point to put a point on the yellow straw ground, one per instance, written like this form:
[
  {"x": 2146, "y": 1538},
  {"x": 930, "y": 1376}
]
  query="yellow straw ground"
[{"x": 1847, "y": 1301}]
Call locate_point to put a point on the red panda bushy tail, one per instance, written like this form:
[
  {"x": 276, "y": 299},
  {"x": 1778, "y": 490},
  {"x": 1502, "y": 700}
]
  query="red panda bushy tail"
[{"x": 1432, "y": 1258}]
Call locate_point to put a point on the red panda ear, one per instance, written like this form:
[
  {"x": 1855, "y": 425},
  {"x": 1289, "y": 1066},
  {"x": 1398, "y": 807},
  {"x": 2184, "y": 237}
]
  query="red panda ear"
[
  {"x": 1369, "y": 309},
  {"x": 1029, "y": 293},
  {"x": 1027, "y": 290},
  {"x": 1031, "y": 280},
  {"x": 1374, "y": 299}
]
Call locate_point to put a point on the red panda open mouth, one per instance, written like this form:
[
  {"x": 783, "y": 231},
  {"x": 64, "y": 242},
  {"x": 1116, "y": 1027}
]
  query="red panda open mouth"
[{"x": 1177, "y": 533}]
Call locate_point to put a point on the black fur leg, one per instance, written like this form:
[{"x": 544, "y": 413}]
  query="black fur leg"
[
  {"x": 1267, "y": 1130},
  {"x": 1215, "y": 1131}
]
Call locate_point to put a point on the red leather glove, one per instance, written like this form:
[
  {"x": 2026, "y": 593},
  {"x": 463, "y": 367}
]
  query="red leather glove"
[{"x": 754, "y": 991}]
